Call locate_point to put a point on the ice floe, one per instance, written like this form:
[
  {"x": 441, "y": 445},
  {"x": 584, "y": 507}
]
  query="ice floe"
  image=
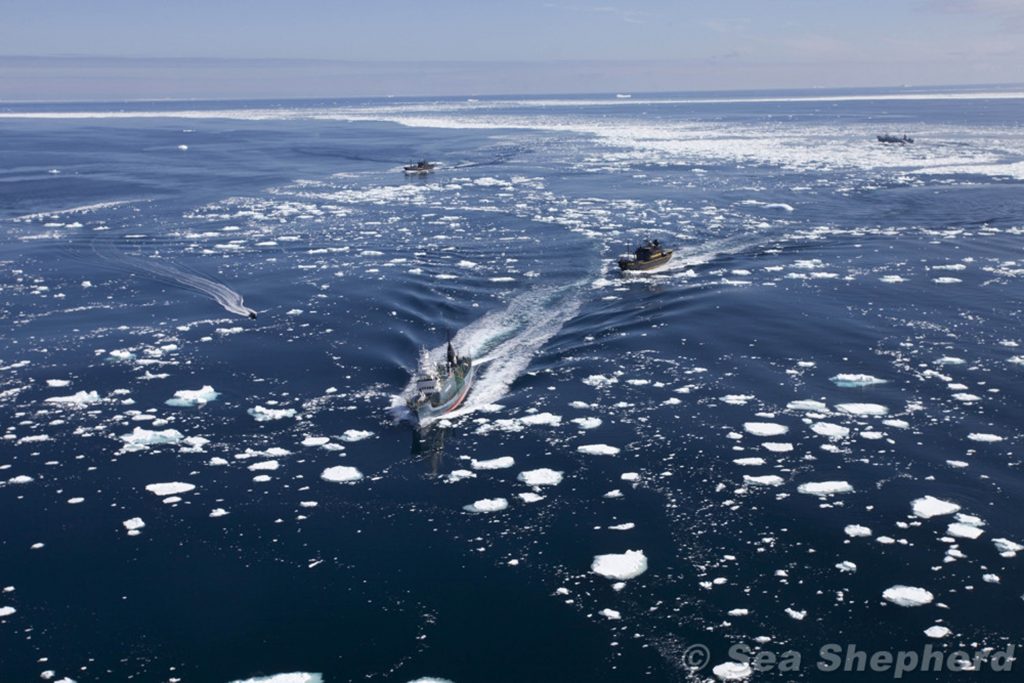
[
  {"x": 907, "y": 596},
  {"x": 597, "y": 449},
  {"x": 190, "y": 398},
  {"x": 863, "y": 409},
  {"x": 141, "y": 439},
  {"x": 541, "y": 477},
  {"x": 487, "y": 505},
  {"x": 261, "y": 414},
  {"x": 622, "y": 566},
  {"x": 79, "y": 399},
  {"x": 171, "y": 488},
  {"x": 824, "y": 489},
  {"x": 765, "y": 428},
  {"x": 341, "y": 474},
  {"x": 929, "y": 506},
  {"x": 501, "y": 463},
  {"x": 852, "y": 380}
]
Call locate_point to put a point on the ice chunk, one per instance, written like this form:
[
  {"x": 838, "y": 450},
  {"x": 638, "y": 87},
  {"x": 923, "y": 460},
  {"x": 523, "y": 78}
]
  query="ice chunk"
[
  {"x": 597, "y": 449},
  {"x": 547, "y": 419},
  {"x": 261, "y": 414},
  {"x": 929, "y": 507},
  {"x": 1007, "y": 548},
  {"x": 830, "y": 430},
  {"x": 218, "y": 512},
  {"x": 487, "y": 505},
  {"x": 77, "y": 400},
  {"x": 316, "y": 440},
  {"x": 624, "y": 566},
  {"x": 737, "y": 399},
  {"x": 851, "y": 380},
  {"x": 541, "y": 477},
  {"x": 190, "y": 398},
  {"x": 960, "y": 530},
  {"x": 141, "y": 439},
  {"x": 502, "y": 463},
  {"x": 352, "y": 435},
  {"x": 763, "y": 480},
  {"x": 297, "y": 677},
  {"x": 907, "y": 596},
  {"x": 587, "y": 422},
  {"x": 134, "y": 525},
  {"x": 341, "y": 474},
  {"x": 863, "y": 409},
  {"x": 171, "y": 488},
  {"x": 823, "y": 489},
  {"x": 765, "y": 428},
  {"x": 984, "y": 438},
  {"x": 6, "y": 611},
  {"x": 458, "y": 475},
  {"x": 732, "y": 671},
  {"x": 777, "y": 446},
  {"x": 937, "y": 631},
  {"x": 807, "y": 405},
  {"x": 856, "y": 530},
  {"x": 610, "y": 614}
]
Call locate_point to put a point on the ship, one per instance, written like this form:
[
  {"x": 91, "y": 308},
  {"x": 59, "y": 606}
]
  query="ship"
[
  {"x": 650, "y": 254},
  {"x": 895, "y": 139},
  {"x": 441, "y": 387},
  {"x": 420, "y": 167}
]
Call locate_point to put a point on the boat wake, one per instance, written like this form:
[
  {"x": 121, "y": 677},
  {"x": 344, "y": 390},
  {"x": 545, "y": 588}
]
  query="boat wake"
[{"x": 502, "y": 344}]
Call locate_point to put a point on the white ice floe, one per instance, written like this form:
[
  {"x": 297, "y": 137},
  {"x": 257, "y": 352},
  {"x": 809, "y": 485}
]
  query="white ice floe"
[
  {"x": 261, "y": 414},
  {"x": 171, "y": 488},
  {"x": 21, "y": 479},
  {"x": 6, "y": 611},
  {"x": 352, "y": 435},
  {"x": 587, "y": 422},
  {"x": 530, "y": 497},
  {"x": 621, "y": 567},
  {"x": 541, "y": 477},
  {"x": 907, "y": 596},
  {"x": 863, "y": 409},
  {"x": 295, "y": 677},
  {"x": 57, "y": 383},
  {"x": 799, "y": 615},
  {"x": 1007, "y": 548},
  {"x": 310, "y": 441},
  {"x": 737, "y": 399},
  {"x": 218, "y": 512},
  {"x": 929, "y": 506},
  {"x": 807, "y": 405},
  {"x": 502, "y": 463},
  {"x": 597, "y": 449},
  {"x": 190, "y": 398},
  {"x": 824, "y": 489},
  {"x": 141, "y": 439},
  {"x": 856, "y": 530},
  {"x": 846, "y": 567},
  {"x": 134, "y": 525},
  {"x": 851, "y": 380},
  {"x": 625, "y": 526},
  {"x": 830, "y": 430},
  {"x": 487, "y": 505},
  {"x": 777, "y": 446},
  {"x": 960, "y": 530},
  {"x": 765, "y": 428},
  {"x": 77, "y": 400},
  {"x": 547, "y": 419},
  {"x": 749, "y": 462},
  {"x": 937, "y": 631},
  {"x": 458, "y": 475},
  {"x": 610, "y": 614},
  {"x": 984, "y": 438},
  {"x": 732, "y": 671},
  {"x": 600, "y": 381},
  {"x": 341, "y": 474},
  {"x": 892, "y": 279},
  {"x": 763, "y": 480}
]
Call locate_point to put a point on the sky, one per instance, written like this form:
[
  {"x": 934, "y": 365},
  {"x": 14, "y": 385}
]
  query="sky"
[{"x": 155, "y": 49}]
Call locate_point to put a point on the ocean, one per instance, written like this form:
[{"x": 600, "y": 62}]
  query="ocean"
[{"x": 803, "y": 431}]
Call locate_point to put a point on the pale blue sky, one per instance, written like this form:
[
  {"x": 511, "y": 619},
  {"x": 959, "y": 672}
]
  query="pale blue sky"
[{"x": 67, "y": 49}]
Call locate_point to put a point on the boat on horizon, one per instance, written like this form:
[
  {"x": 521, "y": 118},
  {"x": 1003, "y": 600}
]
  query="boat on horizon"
[
  {"x": 648, "y": 255},
  {"x": 895, "y": 139},
  {"x": 441, "y": 387},
  {"x": 420, "y": 167}
]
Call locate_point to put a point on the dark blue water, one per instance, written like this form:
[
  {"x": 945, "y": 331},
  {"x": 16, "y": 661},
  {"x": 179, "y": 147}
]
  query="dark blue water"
[{"x": 805, "y": 251}]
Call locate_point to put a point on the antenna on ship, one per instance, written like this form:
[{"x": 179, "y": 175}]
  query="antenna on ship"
[{"x": 451, "y": 357}]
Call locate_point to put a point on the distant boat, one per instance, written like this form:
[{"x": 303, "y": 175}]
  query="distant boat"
[
  {"x": 623, "y": 96},
  {"x": 420, "y": 167},
  {"x": 650, "y": 254},
  {"x": 441, "y": 387},
  {"x": 895, "y": 140}
]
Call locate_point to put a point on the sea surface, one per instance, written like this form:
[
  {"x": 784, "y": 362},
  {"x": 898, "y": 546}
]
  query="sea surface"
[{"x": 805, "y": 429}]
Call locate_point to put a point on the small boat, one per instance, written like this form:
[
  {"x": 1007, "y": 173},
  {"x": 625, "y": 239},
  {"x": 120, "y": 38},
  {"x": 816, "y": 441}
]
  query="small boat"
[
  {"x": 895, "y": 139},
  {"x": 420, "y": 167},
  {"x": 441, "y": 387},
  {"x": 650, "y": 254}
]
